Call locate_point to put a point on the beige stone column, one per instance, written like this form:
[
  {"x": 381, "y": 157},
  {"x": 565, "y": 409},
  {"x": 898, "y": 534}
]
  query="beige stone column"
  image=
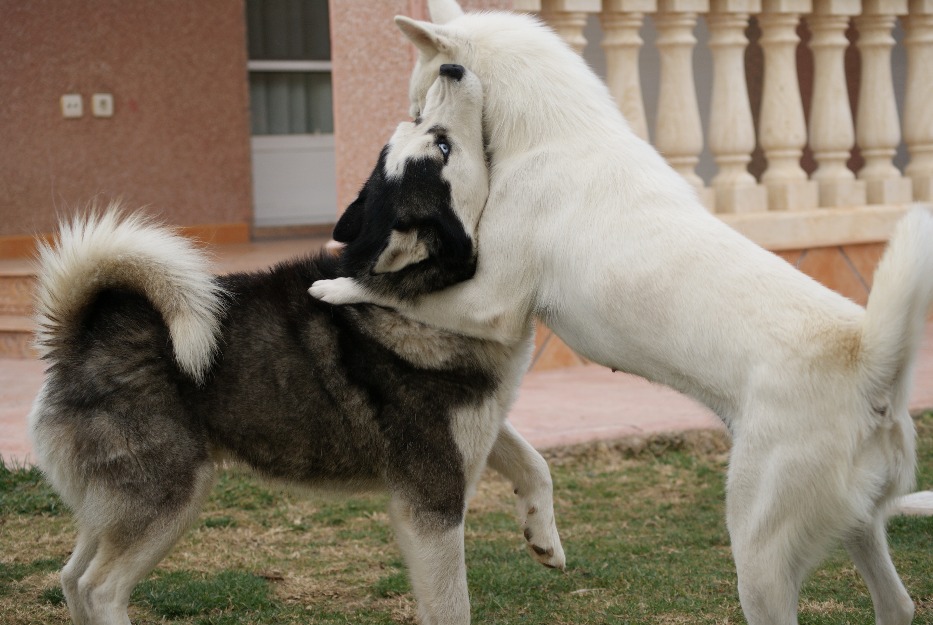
[
  {"x": 568, "y": 19},
  {"x": 621, "y": 20},
  {"x": 678, "y": 134},
  {"x": 731, "y": 129},
  {"x": 918, "y": 107},
  {"x": 782, "y": 130},
  {"x": 832, "y": 132},
  {"x": 877, "y": 126}
]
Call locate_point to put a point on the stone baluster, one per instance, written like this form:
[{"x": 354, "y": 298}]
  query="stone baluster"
[
  {"x": 877, "y": 127},
  {"x": 918, "y": 106},
  {"x": 621, "y": 20},
  {"x": 731, "y": 130},
  {"x": 782, "y": 130},
  {"x": 568, "y": 19},
  {"x": 678, "y": 133},
  {"x": 526, "y": 6},
  {"x": 832, "y": 133}
]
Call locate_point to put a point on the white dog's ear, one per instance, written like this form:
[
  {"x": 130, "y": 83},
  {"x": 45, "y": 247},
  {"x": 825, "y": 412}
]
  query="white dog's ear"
[
  {"x": 427, "y": 37},
  {"x": 403, "y": 249},
  {"x": 443, "y": 11}
]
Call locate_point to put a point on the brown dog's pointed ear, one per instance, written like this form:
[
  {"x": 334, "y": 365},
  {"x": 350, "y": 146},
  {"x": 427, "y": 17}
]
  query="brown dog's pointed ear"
[
  {"x": 443, "y": 11},
  {"x": 427, "y": 37},
  {"x": 402, "y": 250},
  {"x": 350, "y": 223}
]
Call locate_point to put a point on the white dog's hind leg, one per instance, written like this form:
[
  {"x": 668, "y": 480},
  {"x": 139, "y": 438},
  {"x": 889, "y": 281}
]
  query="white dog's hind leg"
[
  {"x": 436, "y": 564},
  {"x": 768, "y": 588},
  {"x": 775, "y": 537},
  {"x": 869, "y": 551},
  {"x": 519, "y": 462}
]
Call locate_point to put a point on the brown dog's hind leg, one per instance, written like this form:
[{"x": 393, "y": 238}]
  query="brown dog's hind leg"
[{"x": 101, "y": 575}]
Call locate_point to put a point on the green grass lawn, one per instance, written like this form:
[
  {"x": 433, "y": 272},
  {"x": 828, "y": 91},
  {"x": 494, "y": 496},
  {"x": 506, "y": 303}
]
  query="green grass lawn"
[{"x": 644, "y": 535}]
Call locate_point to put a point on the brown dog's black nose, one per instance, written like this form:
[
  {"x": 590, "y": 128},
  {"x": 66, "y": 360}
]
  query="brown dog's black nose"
[{"x": 451, "y": 70}]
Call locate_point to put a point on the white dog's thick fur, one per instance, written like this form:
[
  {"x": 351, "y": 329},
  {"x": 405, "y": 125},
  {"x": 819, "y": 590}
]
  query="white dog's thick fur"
[{"x": 589, "y": 228}]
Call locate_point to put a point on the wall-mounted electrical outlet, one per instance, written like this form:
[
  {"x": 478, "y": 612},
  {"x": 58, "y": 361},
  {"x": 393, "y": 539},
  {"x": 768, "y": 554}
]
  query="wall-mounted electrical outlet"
[
  {"x": 102, "y": 104},
  {"x": 72, "y": 105}
]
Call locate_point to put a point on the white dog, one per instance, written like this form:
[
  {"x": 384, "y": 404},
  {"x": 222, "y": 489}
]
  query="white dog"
[{"x": 587, "y": 227}]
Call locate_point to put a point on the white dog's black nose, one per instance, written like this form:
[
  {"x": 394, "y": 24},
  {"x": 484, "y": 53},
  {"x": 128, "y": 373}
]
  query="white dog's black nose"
[{"x": 450, "y": 70}]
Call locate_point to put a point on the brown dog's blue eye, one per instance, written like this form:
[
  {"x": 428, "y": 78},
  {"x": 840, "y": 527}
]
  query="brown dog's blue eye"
[{"x": 444, "y": 147}]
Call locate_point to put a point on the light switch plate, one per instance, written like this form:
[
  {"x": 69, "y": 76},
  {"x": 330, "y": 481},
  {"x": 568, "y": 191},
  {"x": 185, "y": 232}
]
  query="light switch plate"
[{"x": 72, "y": 105}]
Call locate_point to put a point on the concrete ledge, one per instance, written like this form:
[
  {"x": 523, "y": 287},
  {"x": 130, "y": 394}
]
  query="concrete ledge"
[
  {"x": 24, "y": 246},
  {"x": 821, "y": 227}
]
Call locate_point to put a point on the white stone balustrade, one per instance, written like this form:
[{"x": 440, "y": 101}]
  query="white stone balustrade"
[{"x": 832, "y": 195}]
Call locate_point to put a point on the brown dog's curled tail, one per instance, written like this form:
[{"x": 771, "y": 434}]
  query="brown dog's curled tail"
[{"x": 107, "y": 249}]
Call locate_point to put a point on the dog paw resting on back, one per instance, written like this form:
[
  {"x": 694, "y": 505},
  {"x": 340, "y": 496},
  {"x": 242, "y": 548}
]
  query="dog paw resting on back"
[{"x": 412, "y": 228}]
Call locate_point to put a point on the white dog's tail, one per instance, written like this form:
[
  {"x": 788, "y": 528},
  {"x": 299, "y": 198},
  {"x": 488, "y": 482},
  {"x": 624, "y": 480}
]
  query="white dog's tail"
[
  {"x": 897, "y": 309},
  {"x": 109, "y": 250}
]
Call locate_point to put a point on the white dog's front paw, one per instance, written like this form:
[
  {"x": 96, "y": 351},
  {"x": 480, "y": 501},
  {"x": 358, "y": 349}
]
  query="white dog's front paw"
[
  {"x": 338, "y": 291},
  {"x": 540, "y": 530}
]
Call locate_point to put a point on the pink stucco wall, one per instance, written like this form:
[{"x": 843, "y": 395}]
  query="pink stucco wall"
[{"x": 179, "y": 139}]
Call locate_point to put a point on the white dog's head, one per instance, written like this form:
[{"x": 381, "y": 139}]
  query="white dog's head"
[
  {"x": 528, "y": 73},
  {"x": 437, "y": 45}
]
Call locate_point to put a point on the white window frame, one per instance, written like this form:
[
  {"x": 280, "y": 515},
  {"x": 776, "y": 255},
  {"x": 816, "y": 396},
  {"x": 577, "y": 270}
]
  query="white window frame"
[
  {"x": 309, "y": 67},
  {"x": 291, "y": 206},
  {"x": 289, "y": 66}
]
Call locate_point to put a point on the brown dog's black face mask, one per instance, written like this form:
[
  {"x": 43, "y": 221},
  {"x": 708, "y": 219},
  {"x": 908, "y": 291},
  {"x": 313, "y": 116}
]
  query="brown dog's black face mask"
[{"x": 418, "y": 204}]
